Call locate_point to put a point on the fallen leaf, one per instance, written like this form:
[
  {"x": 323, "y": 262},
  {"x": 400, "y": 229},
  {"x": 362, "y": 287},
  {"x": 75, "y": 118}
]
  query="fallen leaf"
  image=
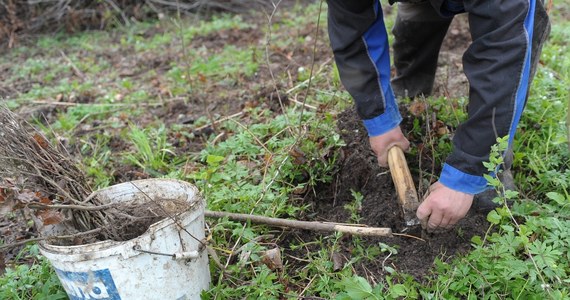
[
  {"x": 440, "y": 128},
  {"x": 202, "y": 78},
  {"x": 43, "y": 199},
  {"x": 123, "y": 117},
  {"x": 50, "y": 217},
  {"x": 442, "y": 131},
  {"x": 41, "y": 141},
  {"x": 417, "y": 108},
  {"x": 272, "y": 259},
  {"x": 244, "y": 257},
  {"x": 338, "y": 261},
  {"x": 298, "y": 156}
]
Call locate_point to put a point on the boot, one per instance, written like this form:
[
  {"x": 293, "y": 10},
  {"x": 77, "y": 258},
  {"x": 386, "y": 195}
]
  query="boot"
[{"x": 483, "y": 202}]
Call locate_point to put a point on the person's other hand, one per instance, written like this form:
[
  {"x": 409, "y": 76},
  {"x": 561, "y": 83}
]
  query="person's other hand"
[
  {"x": 443, "y": 207},
  {"x": 380, "y": 144}
]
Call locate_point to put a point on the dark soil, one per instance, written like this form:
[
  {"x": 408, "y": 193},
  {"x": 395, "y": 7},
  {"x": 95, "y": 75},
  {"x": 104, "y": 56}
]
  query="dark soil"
[{"x": 359, "y": 171}]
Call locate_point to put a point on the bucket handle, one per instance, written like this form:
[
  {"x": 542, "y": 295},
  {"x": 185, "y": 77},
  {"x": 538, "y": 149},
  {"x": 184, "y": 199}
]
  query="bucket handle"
[{"x": 175, "y": 256}]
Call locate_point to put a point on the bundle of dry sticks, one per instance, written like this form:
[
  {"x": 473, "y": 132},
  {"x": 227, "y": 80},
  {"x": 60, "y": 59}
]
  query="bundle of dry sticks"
[
  {"x": 46, "y": 181},
  {"x": 17, "y": 17}
]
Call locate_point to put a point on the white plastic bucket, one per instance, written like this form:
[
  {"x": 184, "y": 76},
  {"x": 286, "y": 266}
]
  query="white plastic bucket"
[{"x": 120, "y": 270}]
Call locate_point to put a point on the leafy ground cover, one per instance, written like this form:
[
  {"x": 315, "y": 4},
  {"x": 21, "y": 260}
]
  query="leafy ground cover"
[{"x": 229, "y": 104}]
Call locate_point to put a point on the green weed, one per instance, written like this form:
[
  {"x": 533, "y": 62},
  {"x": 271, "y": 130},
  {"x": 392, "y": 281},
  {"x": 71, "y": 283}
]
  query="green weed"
[
  {"x": 355, "y": 207},
  {"x": 97, "y": 161},
  {"x": 152, "y": 152},
  {"x": 37, "y": 281}
]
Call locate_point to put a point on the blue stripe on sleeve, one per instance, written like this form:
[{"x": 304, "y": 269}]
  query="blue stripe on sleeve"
[
  {"x": 376, "y": 42},
  {"x": 390, "y": 119},
  {"x": 458, "y": 180},
  {"x": 522, "y": 89}
]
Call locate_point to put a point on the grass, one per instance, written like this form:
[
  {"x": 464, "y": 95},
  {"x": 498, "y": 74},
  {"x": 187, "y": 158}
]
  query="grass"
[
  {"x": 36, "y": 280},
  {"x": 261, "y": 161}
]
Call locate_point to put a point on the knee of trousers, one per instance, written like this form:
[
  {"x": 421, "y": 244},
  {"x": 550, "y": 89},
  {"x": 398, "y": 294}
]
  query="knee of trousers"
[{"x": 418, "y": 12}]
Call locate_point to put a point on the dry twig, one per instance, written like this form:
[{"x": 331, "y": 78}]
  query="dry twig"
[
  {"x": 306, "y": 225},
  {"x": 27, "y": 154}
]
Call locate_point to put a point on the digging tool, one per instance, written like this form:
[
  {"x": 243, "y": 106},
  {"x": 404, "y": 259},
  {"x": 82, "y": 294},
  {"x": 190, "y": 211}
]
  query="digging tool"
[{"x": 407, "y": 194}]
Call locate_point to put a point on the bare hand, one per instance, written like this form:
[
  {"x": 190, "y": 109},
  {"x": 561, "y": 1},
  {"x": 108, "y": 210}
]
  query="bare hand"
[
  {"x": 380, "y": 144},
  {"x": 443, "y": 207}
]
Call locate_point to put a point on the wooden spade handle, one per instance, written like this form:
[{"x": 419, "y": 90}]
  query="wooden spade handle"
[{"x": 407, "y": 194}]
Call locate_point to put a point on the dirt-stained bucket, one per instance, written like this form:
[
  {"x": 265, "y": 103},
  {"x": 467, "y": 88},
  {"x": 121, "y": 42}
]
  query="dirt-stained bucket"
[{"x": 168, "y": 261}]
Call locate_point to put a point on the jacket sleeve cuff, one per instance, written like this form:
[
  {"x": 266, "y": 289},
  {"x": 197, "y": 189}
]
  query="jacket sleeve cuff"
[
  {"x": 383, "y": 123},
  {"x": 462, "y": 182}
]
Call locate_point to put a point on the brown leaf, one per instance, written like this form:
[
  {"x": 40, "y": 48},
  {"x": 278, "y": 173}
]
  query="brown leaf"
[
  {"x": 43, "y": 199},
  {"x": 299, "y": 157},
  {"x": 338, "y": 261},
  {"x": 272, "y": 259},
  {"x": 202, "y": 78},
  {"x": 7, "y": 201},
  {"x": 417, "y": 108},
  {"x": 50, "y": 217},
  {"x": 440, "y": 128},
  {"x": 123, "y": 117},
  {"x": 41, "y": 141},
  {"x": 442, "y": 131}
]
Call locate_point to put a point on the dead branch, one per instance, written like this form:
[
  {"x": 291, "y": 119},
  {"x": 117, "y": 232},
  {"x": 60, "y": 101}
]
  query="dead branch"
[
  {"x": 351, "y": 229},
  {"x": 74, "y": 207}
]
